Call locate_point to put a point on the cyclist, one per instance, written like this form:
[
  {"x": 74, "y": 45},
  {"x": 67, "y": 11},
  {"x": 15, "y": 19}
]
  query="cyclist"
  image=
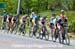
[
  {"x": 4, "y": 18},
  {"x": 43, "y": 25},
  {"x": 35, "y": 22},
  {"x": 61, "y": 23},
  {"x": 23, "y": 23},
  {"x": 14, "y": 21},
  {"x": 53, "y": 24},
  {"x": 9, "y": 21},
  {"x": 31, "y": 17},
  {"x": 43, "y": 20}
]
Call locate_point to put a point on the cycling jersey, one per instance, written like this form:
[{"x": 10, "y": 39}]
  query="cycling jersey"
[
  {"x": 36, "y": 19},
  {"x": 62, "y": 22},
  {"x": 24, "y": 18},
  {"x": 9, "y": 19},
  {"x": 51, "y": 19},
  {"x": 42, "y": 20},
  {"x": 32, "y": 16},
  {"x": 52, "y": 22},
  {"x": 14, "y": 19}
]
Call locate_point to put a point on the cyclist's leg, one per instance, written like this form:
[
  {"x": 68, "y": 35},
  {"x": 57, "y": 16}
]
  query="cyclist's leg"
[
  {"x": 3, "y": 23},
  {"x": 14, "y": 26},
  {"x": 31, "y": 24},
  {"x": 44, "y": 29},
  {"x": 56, "y": 34},
  {"x": 34, "y": 29},
  {"x": 52, "y": 30},
  {"x": 9, "y": 26},
  {"x": 63, "y": 33},
  {"x": 24, "y": 28}
]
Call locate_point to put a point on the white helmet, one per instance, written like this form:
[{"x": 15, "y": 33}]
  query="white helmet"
[
  {"x": 62, "y": 10},
  {"x": 33, "y": 13}
]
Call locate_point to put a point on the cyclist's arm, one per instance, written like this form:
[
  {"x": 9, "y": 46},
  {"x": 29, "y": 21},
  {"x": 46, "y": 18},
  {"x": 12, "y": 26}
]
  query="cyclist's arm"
[
  {"x": 34, "y": 21},
  {"x": 58, "y": 22}
]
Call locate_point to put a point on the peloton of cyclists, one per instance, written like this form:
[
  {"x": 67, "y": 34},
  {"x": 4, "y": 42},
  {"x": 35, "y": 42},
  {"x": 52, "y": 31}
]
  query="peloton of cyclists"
[
  {"x": 60, "y": 22},
  {"x": 55, "y": 22}
]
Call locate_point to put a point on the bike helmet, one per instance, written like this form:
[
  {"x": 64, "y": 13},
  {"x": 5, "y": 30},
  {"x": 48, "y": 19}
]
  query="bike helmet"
[
  {"x": 62, "y": 11},
  {"x": 45, "y": 17},
  {"x": 33, "y": 13}
]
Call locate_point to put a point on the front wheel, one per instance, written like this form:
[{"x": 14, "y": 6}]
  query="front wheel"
[
  {"x": 67, "y": 39},
  {"x": 60, "y": 37},
  {"x": 22, "y": 29}
]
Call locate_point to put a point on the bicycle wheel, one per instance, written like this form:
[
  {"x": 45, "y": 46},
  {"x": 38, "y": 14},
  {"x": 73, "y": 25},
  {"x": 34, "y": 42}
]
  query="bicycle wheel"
[
  {"x": 40, "y": 34},
  {"x": 47, "y": 35},
  {"x": 67, "y": 38},
  {"x": 23, "y": 30},
  {"x": 60, "y": 37},
  {"x": 16, "y": 29},
  {"x": 37, "y": 34},
  {"x": 51, "y": 32},
  {"x": 31, "y": 32}
]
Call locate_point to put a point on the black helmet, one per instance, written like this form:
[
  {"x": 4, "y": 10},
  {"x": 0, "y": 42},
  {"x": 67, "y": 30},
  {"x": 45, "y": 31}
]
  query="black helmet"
[{"x": 45, "y": 17}]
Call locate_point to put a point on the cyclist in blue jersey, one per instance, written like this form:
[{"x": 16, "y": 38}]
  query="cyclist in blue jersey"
[{"x": 4, "y": 18}]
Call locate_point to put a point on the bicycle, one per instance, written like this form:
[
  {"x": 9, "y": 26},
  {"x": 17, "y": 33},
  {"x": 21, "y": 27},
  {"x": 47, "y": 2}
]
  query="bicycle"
[
  {"x": 63, "y": 36},
  {"x": 22, "y": 29},
  {"x": 44, "y": 33},
  {"x": 9, "y": 27},
  {"x": 32, "y": 31},
  {"x": 14, "y": 28}
]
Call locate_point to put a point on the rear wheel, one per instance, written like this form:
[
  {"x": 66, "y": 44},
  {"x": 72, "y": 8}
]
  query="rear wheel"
[
  {"x": 31, "y": 32},
  {"x": 47, "y": 35},
  {"x": 51, "y": 35},
  {"x": 67, "y": 38}
]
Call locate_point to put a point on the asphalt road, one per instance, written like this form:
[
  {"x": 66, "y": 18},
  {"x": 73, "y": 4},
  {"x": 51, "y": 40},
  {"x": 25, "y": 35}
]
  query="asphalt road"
[{"x": 12, "y": 41}]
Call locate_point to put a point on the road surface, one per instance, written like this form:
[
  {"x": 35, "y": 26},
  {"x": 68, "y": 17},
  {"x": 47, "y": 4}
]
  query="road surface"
[{"x": 12, "y": 41}]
